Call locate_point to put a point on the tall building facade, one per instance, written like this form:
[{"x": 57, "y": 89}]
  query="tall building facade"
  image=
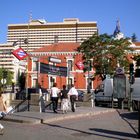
[{"x": 40, "y": 32}]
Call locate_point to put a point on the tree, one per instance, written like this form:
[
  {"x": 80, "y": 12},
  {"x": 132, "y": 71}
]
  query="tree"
[
  {"x": 137, "y": 70},
  {"x": 22, "y": 81},
  {"x": 106, "y": 52},
  {"x": 5, "y": 74},
  {"x": 134, "y": 37}
]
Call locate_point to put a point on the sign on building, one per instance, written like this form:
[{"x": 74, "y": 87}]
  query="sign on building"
[{"x": 54, "y": 70}]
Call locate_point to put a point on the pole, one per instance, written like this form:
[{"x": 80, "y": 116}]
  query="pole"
[
  {"x": 68, "y": 74},
  {"x": 139, "y": 119},
  {"x": 130, "y": 99},
  {"x": 88, "y": 87},
  {"x": 27, "y": 93}
]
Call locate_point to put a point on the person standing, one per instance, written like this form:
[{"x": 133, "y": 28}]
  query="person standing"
[
  {"x": 54, "y": 97},
  {"x": 64, "y": 99},
  {"x": 41, "y": 99},
  {"x": 73, "y": 94}
]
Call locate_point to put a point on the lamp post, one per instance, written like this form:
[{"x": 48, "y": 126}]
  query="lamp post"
[{"x": 26, "y": 82}]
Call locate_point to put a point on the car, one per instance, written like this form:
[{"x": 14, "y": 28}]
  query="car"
[{"x": 80, "y": 95}]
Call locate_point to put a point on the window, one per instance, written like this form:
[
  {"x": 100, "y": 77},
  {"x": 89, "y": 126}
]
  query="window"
[
  {"x": 70, "y": 65},
  {"x": 70, "y": 82},
  {"x": 52, "y": 80},
  {"x": 34, "y": 82},
  {"x": 34, "y": 65}
]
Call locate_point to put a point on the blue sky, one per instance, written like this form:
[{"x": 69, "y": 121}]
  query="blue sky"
[{"x": 105, "y": 12}]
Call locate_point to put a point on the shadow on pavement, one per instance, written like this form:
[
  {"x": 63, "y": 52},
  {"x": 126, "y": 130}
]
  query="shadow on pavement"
[
  {"x": 114, "y": 132},
  {"x": 128, "y": 117},
  {"x": 85, "y": 133}
]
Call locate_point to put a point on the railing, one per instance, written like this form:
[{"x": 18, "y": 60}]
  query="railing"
[{"x": 16, "y": 108}]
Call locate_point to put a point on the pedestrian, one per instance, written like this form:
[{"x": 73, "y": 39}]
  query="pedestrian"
[
  {"x": 17, "y": 94},
  {"x": 41, "y": 99},
  {"x": 54, "y": 96},
  {"x": 64, "y": 99},
  {"x": 73, "y": 95},
  {"x": 3, "y": 109}
]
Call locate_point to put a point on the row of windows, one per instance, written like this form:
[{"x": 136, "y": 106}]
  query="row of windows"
[
  {"x": 52, "y": 30},
  {"x": 51, "y": 35},
  {"x": 43, "y": 38}
]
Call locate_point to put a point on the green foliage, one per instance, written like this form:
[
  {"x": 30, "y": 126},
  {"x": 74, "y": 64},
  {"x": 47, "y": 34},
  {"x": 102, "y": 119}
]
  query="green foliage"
[
  {"x": 137, "y": 59},
  {"x": 134, "y": 37},
  {"x": 106, "y": 52},
  {"x": 22, "y": 81},
  {"x": 6, "y": 74}
]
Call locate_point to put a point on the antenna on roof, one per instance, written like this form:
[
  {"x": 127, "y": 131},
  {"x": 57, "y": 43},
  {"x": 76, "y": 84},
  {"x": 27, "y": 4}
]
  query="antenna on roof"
[{"x": 30, "y": 17}]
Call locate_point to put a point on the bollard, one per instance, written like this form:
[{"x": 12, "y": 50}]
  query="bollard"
[{"x": 139, "y": 119}]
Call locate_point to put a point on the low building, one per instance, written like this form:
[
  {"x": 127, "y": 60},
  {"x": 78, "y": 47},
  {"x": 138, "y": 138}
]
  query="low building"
[{"x": 63, "y": 65}]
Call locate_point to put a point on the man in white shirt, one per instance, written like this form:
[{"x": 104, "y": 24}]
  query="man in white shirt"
[
  {"x": 73, "y": 97},
  {"x": 54, "y": 96}
]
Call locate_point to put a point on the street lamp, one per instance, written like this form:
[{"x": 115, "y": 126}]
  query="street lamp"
[
  {"x": 15, "y": 44},
  {"x": 25, "y": 40}
]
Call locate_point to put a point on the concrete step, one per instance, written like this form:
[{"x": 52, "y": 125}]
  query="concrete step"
[
  {"x": 34, "y": 106},
  {"x": 84, "y": 104}
]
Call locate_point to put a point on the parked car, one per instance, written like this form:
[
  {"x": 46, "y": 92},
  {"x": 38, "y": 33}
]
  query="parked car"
[
  {"x": 103, "y": 93},
  {"x": 80, "y": 95}
]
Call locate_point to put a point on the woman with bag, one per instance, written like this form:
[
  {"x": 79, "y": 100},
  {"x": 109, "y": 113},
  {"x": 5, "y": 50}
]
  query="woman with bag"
[{"x": 64, "y": 100}]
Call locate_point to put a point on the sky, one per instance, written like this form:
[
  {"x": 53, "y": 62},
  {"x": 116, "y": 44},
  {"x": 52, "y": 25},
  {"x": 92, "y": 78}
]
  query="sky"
[{"x": 104, "y": 12}]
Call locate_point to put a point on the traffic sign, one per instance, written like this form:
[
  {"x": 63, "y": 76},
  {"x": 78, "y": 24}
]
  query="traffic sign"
[
  {"x": 54, "y": 60},
  {"x": 119, "y": 70},
  {"x": 3, "y": 81}
]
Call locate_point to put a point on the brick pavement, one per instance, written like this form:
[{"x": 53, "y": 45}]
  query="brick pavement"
[{"x": 35, "y": 117}]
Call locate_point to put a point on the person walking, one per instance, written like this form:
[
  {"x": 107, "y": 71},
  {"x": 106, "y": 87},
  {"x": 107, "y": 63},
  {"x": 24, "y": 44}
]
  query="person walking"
[
  {"x": 54, "y": 97},
  {"x": 64, "y": 99},
  {"x": 73, "y": 94}
]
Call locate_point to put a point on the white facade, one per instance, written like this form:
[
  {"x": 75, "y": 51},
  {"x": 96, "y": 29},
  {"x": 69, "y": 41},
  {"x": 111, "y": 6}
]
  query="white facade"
[{"x": 9, "y": 61}]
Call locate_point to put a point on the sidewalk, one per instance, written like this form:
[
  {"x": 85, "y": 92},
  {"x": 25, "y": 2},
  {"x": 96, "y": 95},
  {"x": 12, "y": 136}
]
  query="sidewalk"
[{"x": 47, "y": 117}]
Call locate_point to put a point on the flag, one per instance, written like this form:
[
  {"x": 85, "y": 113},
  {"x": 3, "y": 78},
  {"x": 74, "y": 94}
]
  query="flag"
[
  {"x": 80, "y": 65},
  {"x": 20, "y": 54}
]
